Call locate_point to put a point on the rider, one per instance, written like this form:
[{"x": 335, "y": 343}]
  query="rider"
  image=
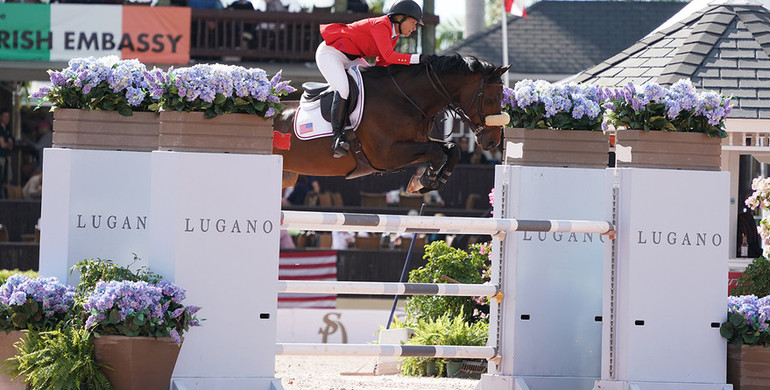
[{"x": 344, "y": 45}]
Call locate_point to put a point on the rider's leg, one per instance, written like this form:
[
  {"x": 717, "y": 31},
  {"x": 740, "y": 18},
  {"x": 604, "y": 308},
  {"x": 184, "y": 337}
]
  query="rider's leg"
[
  {"x": 340, "y": 144},
  {"x": 332, "y": 63}
]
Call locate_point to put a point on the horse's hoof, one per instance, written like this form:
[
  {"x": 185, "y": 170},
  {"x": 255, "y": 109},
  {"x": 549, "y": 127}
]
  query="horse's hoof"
[{"x": 425, "y": 190}]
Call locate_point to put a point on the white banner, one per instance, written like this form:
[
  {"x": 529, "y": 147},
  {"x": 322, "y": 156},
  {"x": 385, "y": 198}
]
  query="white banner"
[{"x": 82, "y": 30}]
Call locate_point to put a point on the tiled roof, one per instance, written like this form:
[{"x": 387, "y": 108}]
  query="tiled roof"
[
  {"x": 724, "y": 48},
  {"x": 566, "y": 37}
]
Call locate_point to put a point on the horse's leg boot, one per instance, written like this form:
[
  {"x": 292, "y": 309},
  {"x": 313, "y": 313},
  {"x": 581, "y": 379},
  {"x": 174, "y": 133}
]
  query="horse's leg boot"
[{"x": 340, "y": 144}]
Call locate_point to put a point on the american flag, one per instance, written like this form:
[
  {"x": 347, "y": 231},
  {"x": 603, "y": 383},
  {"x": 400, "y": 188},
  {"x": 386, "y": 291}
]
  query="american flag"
[
  {"x": 306, "y": 128},
  {"x": 308, "y": 265}
]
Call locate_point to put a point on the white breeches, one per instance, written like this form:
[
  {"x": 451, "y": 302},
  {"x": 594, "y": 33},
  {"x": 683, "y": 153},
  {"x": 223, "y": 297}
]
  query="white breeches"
[{"x": 333, "y": 65}]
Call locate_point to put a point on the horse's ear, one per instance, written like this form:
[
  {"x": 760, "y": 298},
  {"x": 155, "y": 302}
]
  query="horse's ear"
[{"x": 501, "y": 70}]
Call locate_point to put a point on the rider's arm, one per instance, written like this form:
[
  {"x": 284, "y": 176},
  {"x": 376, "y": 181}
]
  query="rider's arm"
[{"x": 381, "y": 32}]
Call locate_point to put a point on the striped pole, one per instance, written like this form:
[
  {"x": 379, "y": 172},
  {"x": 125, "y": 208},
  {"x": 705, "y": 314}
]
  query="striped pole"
[
  {"x": 437, "y": 351},
  {"x": 387, "y": 288},
  {"x": 352, "y": 222}
]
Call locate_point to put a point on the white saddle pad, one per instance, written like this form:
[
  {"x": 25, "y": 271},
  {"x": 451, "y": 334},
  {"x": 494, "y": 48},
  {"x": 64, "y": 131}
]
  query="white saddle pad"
[{"x": 308, "y": 122}]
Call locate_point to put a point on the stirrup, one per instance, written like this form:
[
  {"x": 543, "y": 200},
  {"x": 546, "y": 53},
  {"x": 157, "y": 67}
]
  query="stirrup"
[{"x": 340, "y": 147}]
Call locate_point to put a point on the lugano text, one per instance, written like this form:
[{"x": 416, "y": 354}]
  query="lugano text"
[{"x": 221, "y": 225}]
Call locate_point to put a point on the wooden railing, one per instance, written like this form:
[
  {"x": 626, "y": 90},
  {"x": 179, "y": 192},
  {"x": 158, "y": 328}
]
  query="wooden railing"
[{"x": 260, "y": 36}]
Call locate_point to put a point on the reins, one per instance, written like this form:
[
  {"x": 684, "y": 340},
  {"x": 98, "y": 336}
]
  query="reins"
[{"x": 439, "y": 87}]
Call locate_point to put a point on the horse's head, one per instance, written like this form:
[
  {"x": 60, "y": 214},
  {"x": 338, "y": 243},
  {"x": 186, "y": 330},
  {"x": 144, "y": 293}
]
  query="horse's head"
[{"x": 478, "y": 95}]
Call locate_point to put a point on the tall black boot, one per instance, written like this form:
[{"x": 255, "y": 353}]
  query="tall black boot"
[{"x": 340, "y": 144}]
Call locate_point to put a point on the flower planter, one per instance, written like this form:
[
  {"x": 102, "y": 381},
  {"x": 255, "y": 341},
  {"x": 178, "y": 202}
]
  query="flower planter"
[
  {"x": 452, "y": 367},
  {"x": 229, "y": 133},
  {"x": 6, "y": 351},
  {"x": 137, "y": 363},
  {"x": 556, "y": 148},
  {"x": 105, "y": 130},
  {"x": 748, "y": 367},
  {"x": 668, "y": 150}
]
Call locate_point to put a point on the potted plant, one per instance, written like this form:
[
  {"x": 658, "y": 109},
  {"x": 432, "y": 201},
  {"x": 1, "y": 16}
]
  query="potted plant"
[
  {"x": 539, "y": 110},
  {"x": 447, "y": 320},
  {"x": 138, "y": 328},
  {"x": 447, "y": 265},
  {"x": 746, "y": 331},
  {"x": 674, "y": 127},
  {"x": 29, "y": 304},
  {"x": 235, "y": 100},
  {"x": 444, "y": 330},
  {"x": 102, "y": 103}
]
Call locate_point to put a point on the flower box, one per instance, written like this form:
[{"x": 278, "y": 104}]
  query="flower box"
[
  {"x": 748, "y": 367},
  {"x": 556, "y": 148},
  {"x": 668, "y": 150},
  {"x": 105, "y": 130},
  {"x": 228, "y": 133}
]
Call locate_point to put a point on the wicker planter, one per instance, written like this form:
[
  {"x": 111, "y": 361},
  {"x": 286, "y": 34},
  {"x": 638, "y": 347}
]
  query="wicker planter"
[
  {"x": 668, "y": 150},
  {"x": 556, "y": 148},
  {"x": 748, "y": 367},
  {"x": 6, "y": 351},
  {"x": 229, "y": 133},
  {"x": 137, "y": 363},
  {"x": 105, "y": 130}
]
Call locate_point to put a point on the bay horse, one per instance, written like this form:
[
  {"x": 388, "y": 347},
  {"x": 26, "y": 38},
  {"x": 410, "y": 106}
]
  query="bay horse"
[{"x": 400, "y": 104}]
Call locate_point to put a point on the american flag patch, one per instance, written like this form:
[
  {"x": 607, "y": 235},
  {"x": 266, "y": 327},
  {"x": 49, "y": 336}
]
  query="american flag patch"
[{"x": 306, "y": 128}]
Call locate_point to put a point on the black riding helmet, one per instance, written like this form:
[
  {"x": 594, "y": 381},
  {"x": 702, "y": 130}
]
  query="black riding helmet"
[{"x": 408, "y": 8}]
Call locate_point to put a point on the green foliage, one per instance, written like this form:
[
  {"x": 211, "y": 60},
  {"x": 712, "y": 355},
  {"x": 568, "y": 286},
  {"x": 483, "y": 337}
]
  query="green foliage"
[
  {"x": 28, "y": 316},
  {"x": 444, "y": 330},
  {"x": 737, "y": 331},
  {"x": 97, "y": 270},
  {"x": 59, "y": 359},
  {"x": 5, "y": 274},
  {"x": 464, "y": 267},
  {"x": 755, "y": 280}
]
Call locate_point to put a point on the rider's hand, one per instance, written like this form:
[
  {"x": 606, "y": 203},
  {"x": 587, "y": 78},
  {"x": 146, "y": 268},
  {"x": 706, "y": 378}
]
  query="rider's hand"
[{"x": 424, "y": 58}]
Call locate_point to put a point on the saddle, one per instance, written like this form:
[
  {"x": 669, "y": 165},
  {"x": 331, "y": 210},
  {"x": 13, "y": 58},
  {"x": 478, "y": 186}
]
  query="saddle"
[
  {"x": 313, "y": 117},
  {"x": 314, "y": 92}
]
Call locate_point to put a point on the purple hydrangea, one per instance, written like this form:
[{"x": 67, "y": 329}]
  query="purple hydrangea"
[
  {"x": 48, "y": 295},
  {"x": 131, "y": 300}
]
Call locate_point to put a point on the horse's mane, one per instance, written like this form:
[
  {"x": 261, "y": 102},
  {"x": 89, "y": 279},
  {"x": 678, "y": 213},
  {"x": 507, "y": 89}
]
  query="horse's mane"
[
  {"x": 442, "y": 64},
  {"x": 458, "y": 64}
]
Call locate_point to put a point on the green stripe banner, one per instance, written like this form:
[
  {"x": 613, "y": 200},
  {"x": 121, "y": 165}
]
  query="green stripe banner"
[{"x": 25, "y": 31}]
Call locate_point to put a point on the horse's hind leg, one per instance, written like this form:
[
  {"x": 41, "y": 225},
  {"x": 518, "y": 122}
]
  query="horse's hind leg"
[{"x": 289, "y": 179}]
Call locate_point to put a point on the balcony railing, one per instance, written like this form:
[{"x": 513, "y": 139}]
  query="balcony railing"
[{"x": 261, "y": 36}]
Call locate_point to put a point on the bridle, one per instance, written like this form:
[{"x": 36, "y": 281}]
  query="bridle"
[{"x": 439, "y": 87}]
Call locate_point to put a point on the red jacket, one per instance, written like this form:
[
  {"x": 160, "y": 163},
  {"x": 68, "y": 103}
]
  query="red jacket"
[{"x": 371, "y": 37}]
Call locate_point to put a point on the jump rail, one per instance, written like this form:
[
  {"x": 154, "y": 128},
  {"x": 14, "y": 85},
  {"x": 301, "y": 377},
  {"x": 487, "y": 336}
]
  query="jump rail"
[
  {"x": 353, "y": 222},
  {"x": 437, "y": 351},
  {"x": 373, "y": 288}
]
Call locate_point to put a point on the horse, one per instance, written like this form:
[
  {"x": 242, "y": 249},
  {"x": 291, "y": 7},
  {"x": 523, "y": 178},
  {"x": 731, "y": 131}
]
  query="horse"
[{"x": 401, "y": 104}]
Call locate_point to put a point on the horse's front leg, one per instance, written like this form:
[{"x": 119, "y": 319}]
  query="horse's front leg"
[
  {"x": 402, "y": 154},
  {"x": 453, "y": 156},
  {"x": 435, "y": 178}
]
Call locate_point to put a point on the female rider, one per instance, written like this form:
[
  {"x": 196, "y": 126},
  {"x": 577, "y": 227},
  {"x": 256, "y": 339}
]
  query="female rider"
[{"x": 344, "y": 45}]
